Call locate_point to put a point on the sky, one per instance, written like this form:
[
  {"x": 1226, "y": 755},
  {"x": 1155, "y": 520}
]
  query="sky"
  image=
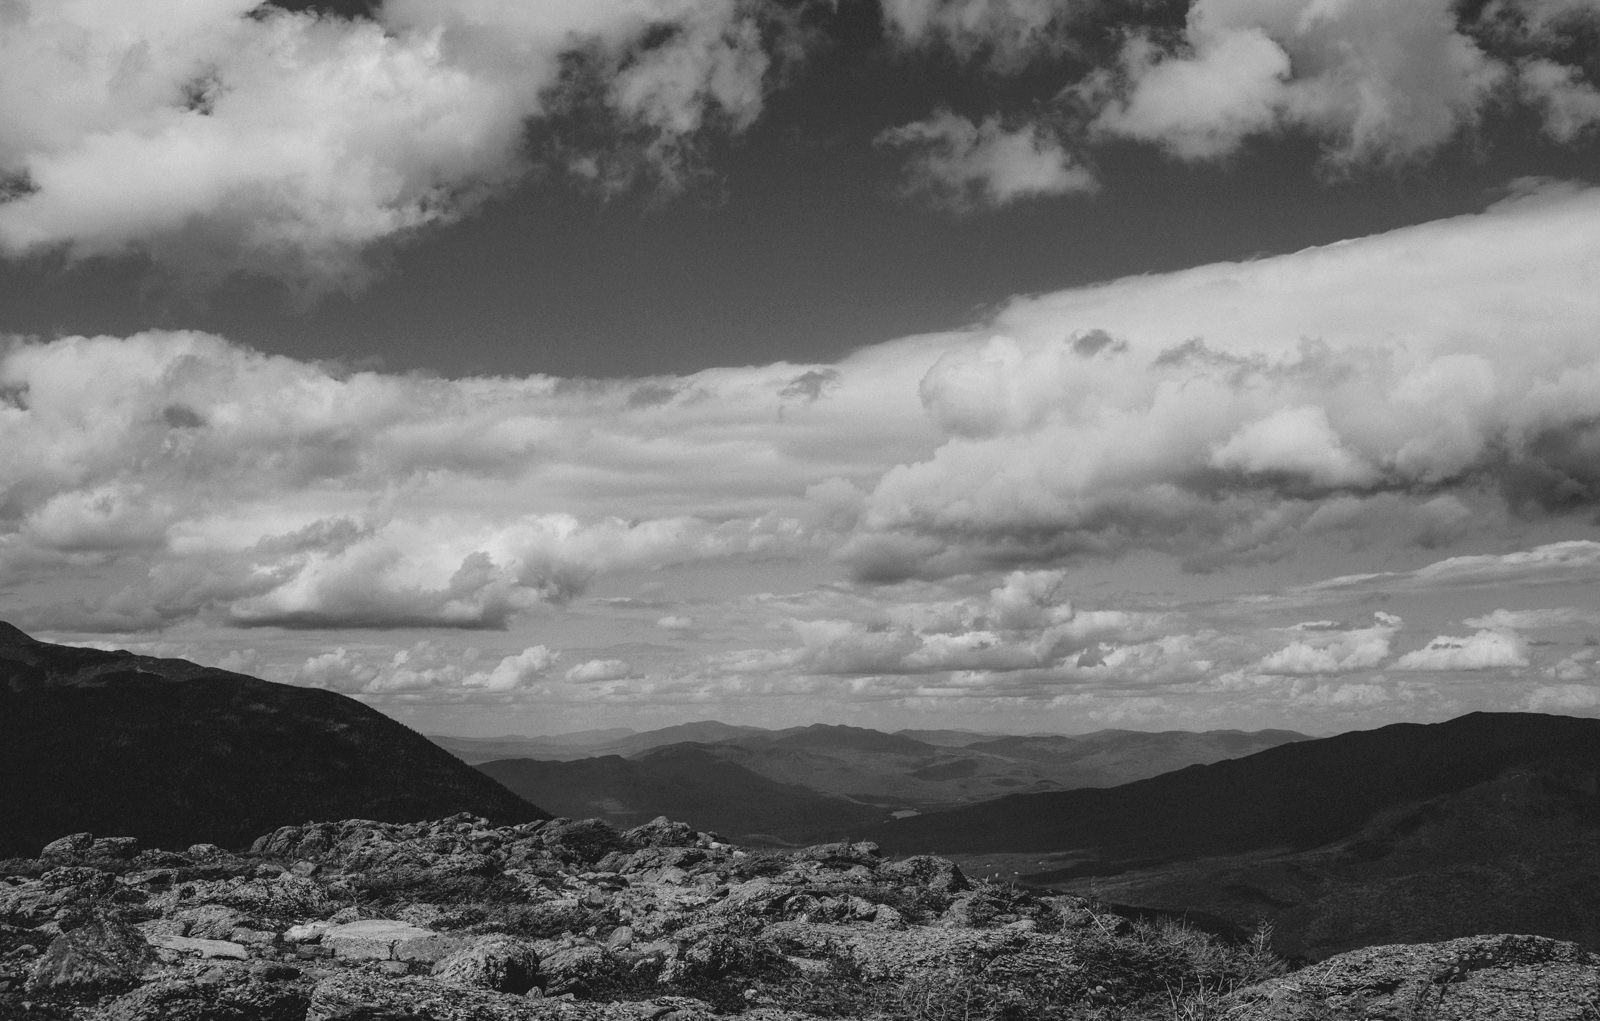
[{"x": 1018, "y": 365}]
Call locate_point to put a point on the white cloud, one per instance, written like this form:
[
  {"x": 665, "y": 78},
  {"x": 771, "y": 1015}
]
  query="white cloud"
[
  {"x": 1334, "y": 651},
  {"x": 516, "y": 671},
  {"x": 1201, "y": 106},
  {"x": 1008, "y": 32},
  {"x": 1576, "y": 560},
  {"x": 231, "y": 136},
  {"x": 594, "y": 671},
  {"x": 962, "y": 165},
  {"x": 1530, "y": 620},
  {"x": 1482, "y": 650},
  {"x": 1252, "y": 402},
  {"x": 1379, "y": 81},
  {"x": 1571, "y": 104}
]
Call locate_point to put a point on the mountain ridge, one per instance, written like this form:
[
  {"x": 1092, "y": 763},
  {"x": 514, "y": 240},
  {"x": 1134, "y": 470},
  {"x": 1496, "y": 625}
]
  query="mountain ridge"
[{"x": 174, "y": 752}]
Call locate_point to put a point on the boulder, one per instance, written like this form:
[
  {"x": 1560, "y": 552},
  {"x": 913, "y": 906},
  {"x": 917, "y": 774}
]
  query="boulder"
[
  {"x": 937, "y": 874},
  {"x": 211, "y": 921},
  {"x": 307, "y": 932},
  {"x": 503, "y": 964},
  {"x": 67, "y": 847},
  {"x": 207, "y": 948},
  {"x": 113, "y": 848},
  {"x": 372, "y": 938},
  {"x": 104, "y": 953},
  {"x": 661, "y": 832}
]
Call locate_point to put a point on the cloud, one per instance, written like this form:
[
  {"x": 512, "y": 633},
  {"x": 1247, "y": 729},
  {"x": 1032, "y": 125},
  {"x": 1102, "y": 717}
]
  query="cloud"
[
  {"x": 1571, "y": 104},
  {"x": 1537, "y": 619},
  {"x": 236, "y": 137},
  {"x": 1220, "y": 415},
  {"x": 1573, "y": 561},
  {"x": 1006, "y": 32},
  {"x": 1255, "y": 403},
  {"x": 962, "y": 166},
  {"x": 1024, "y": 626},
  {"x": 516, "y": 671},
  {"x": 1380, "y": 81},
  {"x": 595, "y": 671},
  {"x": 297, "y": 494},
  {"x": 1329, "y": 651},
  {"x": 1482, "y": 650},
  {"x": 1565, "y": 699},
  {"x": 427, "y": 670}
]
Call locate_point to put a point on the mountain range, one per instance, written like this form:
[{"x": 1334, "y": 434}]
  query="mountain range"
[
  {"x": 175, "y": 753},
  {"x": 1411, "y": 832},
  {"x": 833, "y": 779},
  {"x": 1488, "y": 822}
]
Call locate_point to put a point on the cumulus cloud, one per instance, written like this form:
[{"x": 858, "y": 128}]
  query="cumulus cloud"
[
  {"x": 1482, "y": 650},
  {"x": 963, "y": 165},
  {"x": 234, "y": 136},
  {"x": 290, "y": 493},
  {"x": 427, "y": 670},
  {"x": 1380, "y": 81},
  {"x": 1256, "y": 402},
  {"x": 594, "y": 671},
  {"x": 1334, "y": 651},
  {"x": 1024, "y": 626}
]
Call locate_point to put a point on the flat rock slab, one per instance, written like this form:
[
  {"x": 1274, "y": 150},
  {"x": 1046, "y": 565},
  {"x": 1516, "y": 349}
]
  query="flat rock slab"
[
  {"x": 217, "y": 948},
  {"x": 374, "y": 939}
]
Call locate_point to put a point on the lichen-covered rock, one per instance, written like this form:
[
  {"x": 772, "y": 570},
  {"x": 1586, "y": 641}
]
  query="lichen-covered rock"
[
  {"x": 104, "y": 953},
  {"x": 69, "y": 846},
  {"x": 578, "y": 968},
  {"x": 924, "y": 870},
  {"x": 568, "y": 920},
  {"x": 503, "y": 964},
  {"x": 213, "y": 996},
  {"x": 353, "y": 996},
  {"x": 1476, "y": 978},
  {"x": 661, "y": 832},
  {"x": 584, "y": 841},
  {"x": 210, "y": 921}
]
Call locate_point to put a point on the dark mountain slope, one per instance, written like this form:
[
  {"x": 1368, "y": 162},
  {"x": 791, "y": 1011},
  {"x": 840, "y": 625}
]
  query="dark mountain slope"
[
  {"x": 686, "y": 782},
  {"x": 1514, "y": 854},
  {"x": 175, "y": 753},
  {"x": 1107, "y": 758},
  {"x": 1295, "y": 796}
]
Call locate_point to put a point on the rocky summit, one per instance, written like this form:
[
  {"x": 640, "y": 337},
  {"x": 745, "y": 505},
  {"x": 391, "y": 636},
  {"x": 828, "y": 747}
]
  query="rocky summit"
[{"x": 563, "y": 920}]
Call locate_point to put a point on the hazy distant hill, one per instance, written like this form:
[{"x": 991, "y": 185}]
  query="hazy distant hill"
[
  {"x": 852, "y": 769},
  {"x": 1490, "y": 822},
  {"x": 689, "y": 783},
  {"x": 175, "y": 753},
  {"x": 589, "y": 743}
]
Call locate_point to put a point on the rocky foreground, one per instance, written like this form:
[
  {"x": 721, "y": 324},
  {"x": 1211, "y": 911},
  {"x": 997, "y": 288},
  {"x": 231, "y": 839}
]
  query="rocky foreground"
[{"x": 574, "y": 921}]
